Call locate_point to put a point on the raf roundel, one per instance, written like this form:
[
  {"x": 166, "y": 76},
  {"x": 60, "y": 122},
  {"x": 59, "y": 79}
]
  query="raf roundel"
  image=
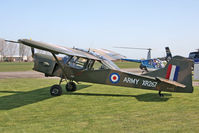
[{"x": 114, "y": 78}]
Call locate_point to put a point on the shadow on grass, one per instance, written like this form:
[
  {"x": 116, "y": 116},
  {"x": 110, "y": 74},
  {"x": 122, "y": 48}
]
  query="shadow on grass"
[
  {"x": 21, "y": 98},
  {"x": 149, "y": 97}
]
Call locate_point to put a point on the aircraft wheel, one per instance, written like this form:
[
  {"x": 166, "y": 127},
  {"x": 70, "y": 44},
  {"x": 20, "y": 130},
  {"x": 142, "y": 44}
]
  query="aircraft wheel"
[
  {"x": 71, "y": 86},
  {"x": 56, "y": 90}
]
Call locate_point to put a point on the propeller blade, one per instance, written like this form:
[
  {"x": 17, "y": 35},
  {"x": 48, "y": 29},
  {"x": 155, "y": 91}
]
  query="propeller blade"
[{"x": 33, "y": 51}]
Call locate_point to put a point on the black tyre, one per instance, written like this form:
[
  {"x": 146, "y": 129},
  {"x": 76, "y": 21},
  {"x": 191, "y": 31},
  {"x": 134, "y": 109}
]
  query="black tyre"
[
  {"x": 71, "y": 86},
  {"x": 56, "y": 90}
]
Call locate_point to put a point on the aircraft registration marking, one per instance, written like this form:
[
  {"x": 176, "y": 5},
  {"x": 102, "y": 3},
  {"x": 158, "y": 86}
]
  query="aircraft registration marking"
[
  {"x": 149, "y": 83},
  {"x": 136, "y": 81}
]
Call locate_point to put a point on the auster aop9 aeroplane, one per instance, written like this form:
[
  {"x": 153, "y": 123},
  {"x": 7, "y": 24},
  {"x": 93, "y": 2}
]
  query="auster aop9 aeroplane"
[{"x": 81, "y": 65}]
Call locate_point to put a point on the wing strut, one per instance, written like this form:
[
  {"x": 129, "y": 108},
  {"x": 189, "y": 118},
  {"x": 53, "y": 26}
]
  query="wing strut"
[{"x": 62, "y": 68}]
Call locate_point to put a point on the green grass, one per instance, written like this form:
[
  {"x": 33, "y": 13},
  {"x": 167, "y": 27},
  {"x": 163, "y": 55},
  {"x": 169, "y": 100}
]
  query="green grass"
[
  {"x": 127, "y": 64},
  {"x": 15, "y": 66},
  {"x": 26, "y": 106},
  {"x": 27, "y": 66}
]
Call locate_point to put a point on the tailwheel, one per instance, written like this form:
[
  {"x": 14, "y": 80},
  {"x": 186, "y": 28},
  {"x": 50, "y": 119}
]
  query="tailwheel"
[
  {"x": 71, "y": 86},
  {"x": 56, "y": 90},
  {"x": 160, "y": 94}
]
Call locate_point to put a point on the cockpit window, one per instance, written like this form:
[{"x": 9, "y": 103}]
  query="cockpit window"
[
  {"x": 65, "y": 59},
  {"x": 99, "y": 66},
  {"x": 78, "y": 62}
]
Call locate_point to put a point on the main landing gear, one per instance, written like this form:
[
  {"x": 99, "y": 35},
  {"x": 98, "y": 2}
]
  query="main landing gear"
[
  {"x": 71, "y": 86},
  {"x": 56, "y": 90}
]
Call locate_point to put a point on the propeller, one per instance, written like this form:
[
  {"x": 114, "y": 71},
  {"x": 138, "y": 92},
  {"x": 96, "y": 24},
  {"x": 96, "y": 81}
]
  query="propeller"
[
  {"x": 33, "y": 51},
  {"x": 148, "y": 54}
]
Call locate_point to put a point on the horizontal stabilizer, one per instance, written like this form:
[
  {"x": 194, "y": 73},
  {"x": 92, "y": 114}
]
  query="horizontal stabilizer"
[{"x": 170, "y": 82}]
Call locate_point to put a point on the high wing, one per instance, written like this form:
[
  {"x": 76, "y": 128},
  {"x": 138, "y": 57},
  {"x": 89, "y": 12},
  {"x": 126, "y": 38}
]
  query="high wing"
[
  {"x": 57, "y": 49},
  {"x": 111, "y": 55}
]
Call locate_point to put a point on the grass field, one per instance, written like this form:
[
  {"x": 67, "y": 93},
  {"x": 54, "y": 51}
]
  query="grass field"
[
  {"x": 26, "y": 106},
  {"x": 15, "y": 66},
  {"x": 27, "y": 66},
  {"x": 127, "y": 64}
]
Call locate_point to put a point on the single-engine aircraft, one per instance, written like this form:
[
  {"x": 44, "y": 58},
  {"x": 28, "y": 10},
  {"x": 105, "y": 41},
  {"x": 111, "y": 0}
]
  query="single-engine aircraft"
[{"x": 87, "y": 66}]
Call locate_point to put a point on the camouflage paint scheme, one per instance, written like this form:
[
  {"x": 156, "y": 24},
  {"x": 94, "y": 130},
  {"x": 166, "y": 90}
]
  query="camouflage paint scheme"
[{"x": 109, "y": 74}]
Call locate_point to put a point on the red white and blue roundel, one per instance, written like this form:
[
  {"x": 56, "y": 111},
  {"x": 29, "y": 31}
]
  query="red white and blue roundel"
[{"x": 114, "y": 77}]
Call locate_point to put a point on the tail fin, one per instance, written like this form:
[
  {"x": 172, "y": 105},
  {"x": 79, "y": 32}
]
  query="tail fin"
[
  {"x": 168, "y": 54},
  {"x": 177, "y": 69}
]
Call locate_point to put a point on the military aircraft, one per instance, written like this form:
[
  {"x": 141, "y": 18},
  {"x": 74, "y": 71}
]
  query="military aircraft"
[
  {"x": 149, "y": 64},
  {"x": 194, "y": 56},
  {"x": 87, "y": 66}
]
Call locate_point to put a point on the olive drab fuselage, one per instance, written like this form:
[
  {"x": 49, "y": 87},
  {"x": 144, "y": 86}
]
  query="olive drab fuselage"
[
  {"x": 89, "y": 66},
  {"x": 87, "y": 71}
]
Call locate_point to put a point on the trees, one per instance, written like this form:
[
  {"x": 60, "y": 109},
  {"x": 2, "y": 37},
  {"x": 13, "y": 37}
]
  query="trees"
[
  {"x": 2, "y": 49},
  {"x": 24, "y": 51},
  {"x": 8, "y": 50}
]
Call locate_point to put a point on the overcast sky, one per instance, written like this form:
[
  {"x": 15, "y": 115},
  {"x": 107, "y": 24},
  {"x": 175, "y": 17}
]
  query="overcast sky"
[{"x": 105, "y": 24}]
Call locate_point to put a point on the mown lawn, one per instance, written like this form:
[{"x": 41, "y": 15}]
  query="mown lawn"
[
  {"x": 26, "y": 106},
  {"x": 126, "y": 64},
  {"x": 27, "y": 66},
  {"x": 15, "y": 66}
]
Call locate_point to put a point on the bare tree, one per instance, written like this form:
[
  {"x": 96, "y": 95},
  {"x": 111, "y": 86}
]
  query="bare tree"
[
  {"x": 11, "y": 49},
  {"x": 24, "y": 51},
  {"x": 2, "y": 49},
  {"x": 7, "y": 49}
]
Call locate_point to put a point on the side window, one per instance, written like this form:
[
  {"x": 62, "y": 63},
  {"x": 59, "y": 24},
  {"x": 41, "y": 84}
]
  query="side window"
[
  {"x": 65, "y": 59},
  {"x": 98, "y": 66},
  {"x": 78, "y": 62}
]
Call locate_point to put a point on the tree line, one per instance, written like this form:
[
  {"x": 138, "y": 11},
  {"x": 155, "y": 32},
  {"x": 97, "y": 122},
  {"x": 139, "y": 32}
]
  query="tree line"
[{"x": 9, "y": 49}]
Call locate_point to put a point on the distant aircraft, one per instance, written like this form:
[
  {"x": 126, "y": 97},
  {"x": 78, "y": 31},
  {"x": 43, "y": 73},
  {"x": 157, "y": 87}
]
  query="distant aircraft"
[
  {"x": 87, "y": 66},
  {"x": 194, "y": 56},
  {"x": 150, "y": 64}
]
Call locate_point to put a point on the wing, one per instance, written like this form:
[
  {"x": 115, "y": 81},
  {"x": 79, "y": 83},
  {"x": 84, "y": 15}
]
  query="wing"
[
  {"x": 111, "y": 55},
  {"x": 57, "y": 49}
]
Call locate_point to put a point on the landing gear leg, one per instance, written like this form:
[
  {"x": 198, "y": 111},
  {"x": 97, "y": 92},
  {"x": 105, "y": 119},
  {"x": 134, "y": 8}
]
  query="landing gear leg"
[
  {"x": 160, "y": 94},
  {"x": 60, "y": 81}
]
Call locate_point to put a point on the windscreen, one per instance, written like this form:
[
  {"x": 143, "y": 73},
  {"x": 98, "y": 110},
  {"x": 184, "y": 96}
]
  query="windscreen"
[{"x": 110, "y": 64}]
